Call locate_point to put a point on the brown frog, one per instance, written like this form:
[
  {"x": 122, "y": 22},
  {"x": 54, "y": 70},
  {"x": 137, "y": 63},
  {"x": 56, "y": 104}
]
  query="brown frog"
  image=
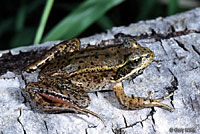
[{"x": 68, "y": 74}]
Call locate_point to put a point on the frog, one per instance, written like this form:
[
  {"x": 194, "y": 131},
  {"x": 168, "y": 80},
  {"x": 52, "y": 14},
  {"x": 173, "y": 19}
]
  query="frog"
[{"x": 67, "y": 74}]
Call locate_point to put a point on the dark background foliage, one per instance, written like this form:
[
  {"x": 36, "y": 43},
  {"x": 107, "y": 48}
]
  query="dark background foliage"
[{"x": 21, "y": 19}]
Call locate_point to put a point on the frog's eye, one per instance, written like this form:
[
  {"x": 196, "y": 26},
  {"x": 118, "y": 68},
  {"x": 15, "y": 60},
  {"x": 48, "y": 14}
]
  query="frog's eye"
[
  {"x": 131, "y": 43},
  {"x": 133, "y": 63},
  {"x": 128, "y": 42}
]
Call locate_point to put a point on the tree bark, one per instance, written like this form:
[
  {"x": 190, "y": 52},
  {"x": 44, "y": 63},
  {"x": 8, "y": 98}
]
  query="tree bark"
[{"x": 175, "y": 41}]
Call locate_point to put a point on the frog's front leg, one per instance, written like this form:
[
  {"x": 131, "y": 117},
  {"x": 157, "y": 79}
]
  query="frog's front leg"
[
  {"x": 52, "y": 100},
  {"x": 56, "y": 51},
  {"x": 137, "y": 102}
]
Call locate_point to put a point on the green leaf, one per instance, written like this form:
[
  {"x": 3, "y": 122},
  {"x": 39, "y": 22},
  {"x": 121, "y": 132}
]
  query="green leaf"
[
  {"x": 105, "y": 22},
  {"x": 172, "y": 7},
  {"x": 43, "y": 21},
  {"x": 81, "y": 18}
]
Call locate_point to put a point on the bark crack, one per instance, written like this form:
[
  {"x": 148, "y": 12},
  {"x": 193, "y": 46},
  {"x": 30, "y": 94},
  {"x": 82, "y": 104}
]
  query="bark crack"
[
  {"x": 163, "y": 48},
  {"x": 181, "y": 45},
  {"x": 25, "y": 100},
  {"x": 196, "y": 50},
  {"x": 86, "y": 131},
  {"x": 173, "y": 87},
  {"x": 192, "y": 104},
  {"x": 120, "y": 130},
  {"x": 155, "y": 35},
  {"x": 18, "y": 120},
  {"x": 92, "y": 126},
  {"x": 45, "y": 124}
]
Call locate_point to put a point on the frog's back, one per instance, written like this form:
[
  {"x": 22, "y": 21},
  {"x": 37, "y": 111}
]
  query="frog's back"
[
  {"x": 93, "y": 69},
  {"x": 98, "y": 58}
]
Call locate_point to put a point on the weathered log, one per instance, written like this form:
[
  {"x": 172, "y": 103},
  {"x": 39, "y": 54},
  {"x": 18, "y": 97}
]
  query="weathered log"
[{"x": 175, "y": 40}]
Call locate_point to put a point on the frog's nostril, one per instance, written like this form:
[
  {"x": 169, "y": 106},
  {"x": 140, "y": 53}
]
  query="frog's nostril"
[{"x": 148, "y": 55}]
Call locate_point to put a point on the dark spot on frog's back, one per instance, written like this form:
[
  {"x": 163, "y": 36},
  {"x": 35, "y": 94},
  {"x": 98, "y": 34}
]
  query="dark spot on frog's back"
[
  {"x": 80, "y": 61},
  {"x": 61, "y": 46},
  {"x": 96, "y": 56},
  {"x": 107, "y": 55},
  {"x": 95, "y": 77},
  {"x": 139, "y": 50},
  {"x": 91, "y": 63}
]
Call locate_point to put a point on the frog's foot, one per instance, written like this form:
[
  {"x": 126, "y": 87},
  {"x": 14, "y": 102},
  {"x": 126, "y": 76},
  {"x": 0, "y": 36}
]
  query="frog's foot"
[
  {"x": 52, "y": 102},
  {"x": 138, "y": 102},
  {"x": 56, "y": 51}
]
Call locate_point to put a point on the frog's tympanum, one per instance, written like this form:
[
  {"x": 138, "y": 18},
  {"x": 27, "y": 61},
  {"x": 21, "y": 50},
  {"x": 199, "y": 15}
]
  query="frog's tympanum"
[{"x": 69, "y": 73}]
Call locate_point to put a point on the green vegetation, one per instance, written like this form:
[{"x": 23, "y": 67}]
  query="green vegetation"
[{"x": 31, "y": 22}]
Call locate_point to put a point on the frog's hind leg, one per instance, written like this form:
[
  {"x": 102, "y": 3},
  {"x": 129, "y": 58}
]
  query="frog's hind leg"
[
  {"x": 54, "y": 102},
  {"x": 56, "y": 51},
  {"x": 138, "y": 102}
]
